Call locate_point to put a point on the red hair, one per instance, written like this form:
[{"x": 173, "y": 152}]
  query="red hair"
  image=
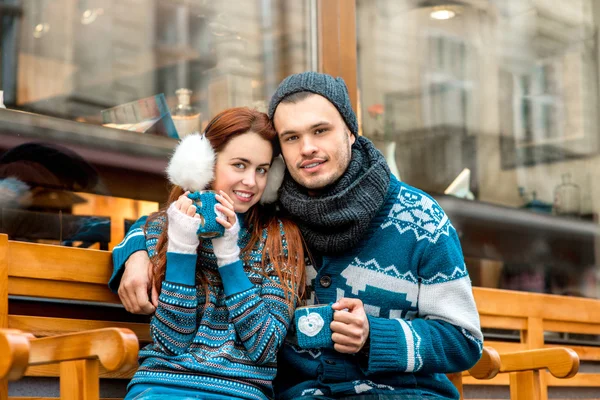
[{"x": 225, "y": 126}]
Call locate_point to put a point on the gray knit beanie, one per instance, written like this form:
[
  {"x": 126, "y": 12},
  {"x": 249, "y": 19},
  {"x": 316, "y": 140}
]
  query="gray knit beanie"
[{"x": 333, "y": 89}]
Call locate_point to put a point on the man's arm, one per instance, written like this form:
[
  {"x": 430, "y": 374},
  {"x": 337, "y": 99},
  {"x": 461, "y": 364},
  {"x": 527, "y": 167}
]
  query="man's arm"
[
  {"x": 445, "y": 337},
  {"x": 132, "y": 272}
]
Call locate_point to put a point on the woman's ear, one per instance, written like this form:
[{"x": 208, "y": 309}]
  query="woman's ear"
[{"x": 274, "y": 180}]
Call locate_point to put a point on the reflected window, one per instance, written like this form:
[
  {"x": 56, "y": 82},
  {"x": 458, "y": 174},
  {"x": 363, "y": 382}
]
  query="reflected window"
[
  {"x": 494, "y": 101},
  {"x": 76, "y": 58}
]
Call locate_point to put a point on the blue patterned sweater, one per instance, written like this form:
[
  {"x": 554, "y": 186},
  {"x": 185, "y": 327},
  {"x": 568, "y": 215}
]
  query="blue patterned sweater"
[
  {"x": 227, "y": 346},
  {"x": 410, "y": 274}
]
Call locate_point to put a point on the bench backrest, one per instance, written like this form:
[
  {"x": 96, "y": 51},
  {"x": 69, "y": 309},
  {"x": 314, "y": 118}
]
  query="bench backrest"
[{"x": 65, "y": 274}]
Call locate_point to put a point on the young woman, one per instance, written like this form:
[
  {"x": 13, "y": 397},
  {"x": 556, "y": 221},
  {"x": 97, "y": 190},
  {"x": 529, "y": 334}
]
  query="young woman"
[{"x": 225, "y": 303}]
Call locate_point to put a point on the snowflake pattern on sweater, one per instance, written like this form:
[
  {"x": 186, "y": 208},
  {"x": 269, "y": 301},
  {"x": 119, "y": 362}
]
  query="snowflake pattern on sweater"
[{"x": 417, "y": 212}]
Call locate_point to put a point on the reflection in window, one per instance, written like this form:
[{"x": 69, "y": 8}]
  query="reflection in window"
[
  {"x": 76, "y": 58},
  {"x": 509, "y": 90}
]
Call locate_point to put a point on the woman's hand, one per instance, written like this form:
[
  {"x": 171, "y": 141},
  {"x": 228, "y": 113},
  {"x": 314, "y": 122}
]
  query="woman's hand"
[
  {"x": 183, "y": 223},
  {"x": 226, "y": 208},
  {"x": 186, "y": 206},
  {"x": 226, "y": 248}
]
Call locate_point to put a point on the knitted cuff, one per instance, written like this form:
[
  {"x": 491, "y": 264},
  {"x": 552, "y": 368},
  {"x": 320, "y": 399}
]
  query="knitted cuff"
[
  {"x": 182, "y": 232},
  {"x": 226, "y": 248},
  {"x": 389, "y": 349},
  {"x": 181, "y": 268},
  {"x": 234, "y": 278}
]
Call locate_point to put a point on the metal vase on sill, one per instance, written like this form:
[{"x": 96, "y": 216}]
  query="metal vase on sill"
[{"x": 567, "y": 200}]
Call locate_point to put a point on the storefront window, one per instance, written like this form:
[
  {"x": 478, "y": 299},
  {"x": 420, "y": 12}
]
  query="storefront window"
[
  {"x": 65, "y": 177},
  {"x": 507, "y": 89}
]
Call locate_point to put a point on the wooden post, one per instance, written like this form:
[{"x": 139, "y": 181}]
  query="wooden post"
[
  {"x": 534, "y": 339},
  {"x": 337, "y": 42},
  {"x": 456, "y": 379},
  {"x": 79, "y": 380},
  {"x": 3, "y": 300},
  {"x": 525, "y": 385}
]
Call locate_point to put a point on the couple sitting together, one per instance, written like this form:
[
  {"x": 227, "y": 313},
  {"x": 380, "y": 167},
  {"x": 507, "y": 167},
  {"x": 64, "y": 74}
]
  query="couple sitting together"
[{"x": 235, "y": 316}]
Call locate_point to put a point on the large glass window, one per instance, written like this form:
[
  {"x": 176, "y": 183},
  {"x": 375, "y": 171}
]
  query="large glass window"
[
  {"x": 507, "y": 89},
  {"x": 64, "y": 175}
]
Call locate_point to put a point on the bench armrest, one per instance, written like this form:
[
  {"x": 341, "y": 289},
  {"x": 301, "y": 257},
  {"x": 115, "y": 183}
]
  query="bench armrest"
[
  {"x": 14, "y": 347},
  {"x": 488, "y": 365},
  {"x": 115, "y": 348},
  {"x": 562, "y": 362}
]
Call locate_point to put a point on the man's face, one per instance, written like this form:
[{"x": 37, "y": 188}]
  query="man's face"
[{"x": 315, "y": 141}]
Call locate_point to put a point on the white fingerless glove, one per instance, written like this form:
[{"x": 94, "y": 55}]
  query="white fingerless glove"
[
  {"x": 225, "y": 247},
  {"x": 181, "y": 231}
]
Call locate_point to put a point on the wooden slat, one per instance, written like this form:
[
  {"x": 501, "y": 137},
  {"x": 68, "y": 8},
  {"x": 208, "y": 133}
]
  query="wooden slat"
[
  {"x": 585, "y": 353},
  {"x": 53, "y": 371},
  {"x": 55, "y": 398},
  {"x": 521, "y": 304},
  {"x": 45, "y": 326},
  {"x": 572, "y": 327},
  {"x": 499, "y": 380},
  {"x": 61, "y": 290},
  {"x": 59, "y": 263},
  {"x": 579, "y": 380},
  {"x": 505, "y": 347},
  {"x": 512, "y": 323}
]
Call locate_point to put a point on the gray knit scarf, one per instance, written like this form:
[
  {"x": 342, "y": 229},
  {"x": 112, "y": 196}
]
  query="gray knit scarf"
[{"x": 337, "y": 218}]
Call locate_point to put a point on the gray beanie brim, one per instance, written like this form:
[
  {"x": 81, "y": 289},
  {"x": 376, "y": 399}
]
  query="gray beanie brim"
[{"x": 333, "y": 89}]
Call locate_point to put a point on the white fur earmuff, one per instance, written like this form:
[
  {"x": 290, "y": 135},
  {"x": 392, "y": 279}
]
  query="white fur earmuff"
[
  {"x": 274, "y": 180},
  {"x": 192, "y": 165}
]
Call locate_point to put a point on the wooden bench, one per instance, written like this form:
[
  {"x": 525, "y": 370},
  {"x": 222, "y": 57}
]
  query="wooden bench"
[
  {"x": 39, "y": 272},
  {"x": 32, "y": 274},
  {"x": 534, "y": 316}
]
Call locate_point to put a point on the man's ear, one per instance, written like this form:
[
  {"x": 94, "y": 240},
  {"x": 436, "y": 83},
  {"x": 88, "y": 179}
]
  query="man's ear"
[{"x": 352, "y": 136}]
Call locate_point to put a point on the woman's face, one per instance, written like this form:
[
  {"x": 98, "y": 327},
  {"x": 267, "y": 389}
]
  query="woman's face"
[{"x": 241, "y": 169}]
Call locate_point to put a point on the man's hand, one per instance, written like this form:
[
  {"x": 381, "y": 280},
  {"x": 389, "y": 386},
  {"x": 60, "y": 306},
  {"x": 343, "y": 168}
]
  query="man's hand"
[
  {"x": 350, "y": 328},
  {"x": 136, "y": 283}
]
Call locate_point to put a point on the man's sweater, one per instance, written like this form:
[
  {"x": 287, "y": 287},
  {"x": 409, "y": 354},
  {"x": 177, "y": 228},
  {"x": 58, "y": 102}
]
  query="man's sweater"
[
  {"x": 410, "y": 274},
  {"x": 227, "y": 345}
]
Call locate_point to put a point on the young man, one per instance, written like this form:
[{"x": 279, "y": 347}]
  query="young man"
[{"x": 384, "y": 254}]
